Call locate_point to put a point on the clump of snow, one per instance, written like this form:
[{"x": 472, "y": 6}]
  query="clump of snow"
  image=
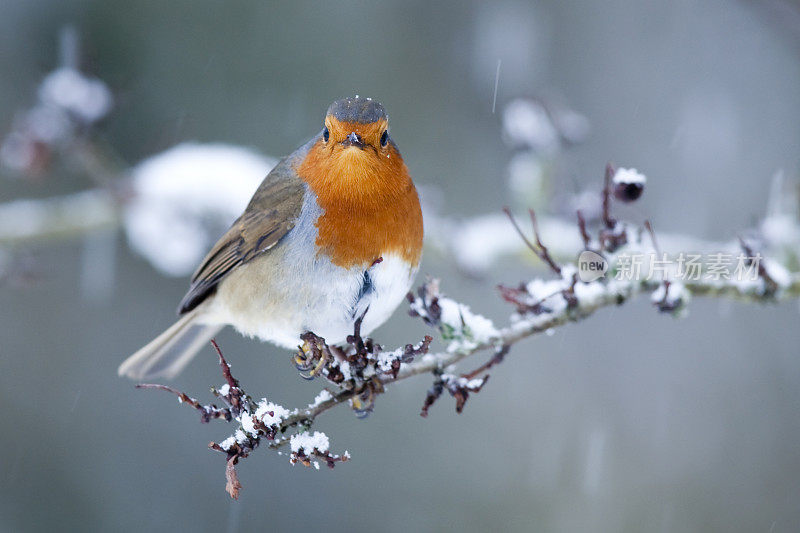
[
  {"x": 186, "y": 197},
  {"x": 551, "y": 292},
  {"x": 463, "y": 383},
  {"x": 474, "y": 327},
  {"x": 589, "y": 293},
  {"x": 82, "y": 96},
  {"x": 344, "y": 368},
  {"x": 308, "y": 443},
  {"x": 527, "y": 123},
  {"x": 239, "y": 437},
  {"x": 271, "y": 413},
  {"x": 627, "y": 176},
  {"x": 224, "y": 390},
  {"x": 227, "y": 443},
  {"x": 386, "y": 359},
  {"x": 542, "y": 126},
  {"x": 541, "y": 289},
  {"x": 246, "y": 419},
  {"x": 321, "y": 398},
  {"x": 475, "y": 383},
  {"x": 781, "y": 230},
  {"x": 778, "y": 273},
  {"x": 670, "y": 297}
]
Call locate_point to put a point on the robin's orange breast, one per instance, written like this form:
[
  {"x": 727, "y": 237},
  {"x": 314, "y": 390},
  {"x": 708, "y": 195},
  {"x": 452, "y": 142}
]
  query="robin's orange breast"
[{"x": 371, "y": 207}]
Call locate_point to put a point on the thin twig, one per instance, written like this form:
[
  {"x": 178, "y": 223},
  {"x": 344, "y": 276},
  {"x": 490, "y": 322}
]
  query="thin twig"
[
  {"x": 609, "y": 222},
  {"x": 582, "y": 228},
  {"x": 541, "y": 252},
  {"x": 207, "y": 412}
]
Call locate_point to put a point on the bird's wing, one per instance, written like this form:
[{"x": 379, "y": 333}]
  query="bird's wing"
[{"x": 272, "y": 212}]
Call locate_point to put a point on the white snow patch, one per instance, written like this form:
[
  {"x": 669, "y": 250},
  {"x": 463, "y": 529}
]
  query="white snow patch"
[
  {"x": 321, "y": 398},
  {"x": 629, "y": 176},
  {"x": 459, "y": 316},
  {"x": 308, "y": 442},
  {"x": 526, "y": 122},
  {"x": 246, "y": 419},
  {"x": 186, "y": 197},
  {"x": 227, "y": 443},
  {"x": 781, "y": 230},
  {"x": 240, "y": 436},
  {"x": 676, "y": 294},
  {"x": 87, "y": 98},
  {"x": 589, "y": 293},
  {"x": 778, "y": 273},
  {"x": 278, "y": 412}
]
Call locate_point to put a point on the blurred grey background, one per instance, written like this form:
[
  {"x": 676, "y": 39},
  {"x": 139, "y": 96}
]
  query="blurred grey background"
[{"x": 629, "y": 421}]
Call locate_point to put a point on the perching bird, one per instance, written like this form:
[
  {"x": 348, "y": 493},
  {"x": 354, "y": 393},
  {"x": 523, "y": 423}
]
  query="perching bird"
[{"x": 332, "y": 235}]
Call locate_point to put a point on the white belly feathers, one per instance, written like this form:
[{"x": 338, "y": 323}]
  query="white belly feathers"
[{"x": 291, "y": 290}]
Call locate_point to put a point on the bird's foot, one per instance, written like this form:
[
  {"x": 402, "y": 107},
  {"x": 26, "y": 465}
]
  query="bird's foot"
[{"x": 311, "y": 356}]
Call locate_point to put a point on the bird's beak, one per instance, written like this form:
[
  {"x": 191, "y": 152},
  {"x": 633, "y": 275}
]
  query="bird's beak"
[{"x": 354, "y": 139}]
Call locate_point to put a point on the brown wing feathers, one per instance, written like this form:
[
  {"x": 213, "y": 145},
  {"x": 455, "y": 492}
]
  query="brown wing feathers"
[{"x": 272, "y": 212}]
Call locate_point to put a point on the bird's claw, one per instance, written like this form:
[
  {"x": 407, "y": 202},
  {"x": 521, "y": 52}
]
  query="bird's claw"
[
  {"x": 364, "y": 402},
  {"x": 311, "y": 357}
]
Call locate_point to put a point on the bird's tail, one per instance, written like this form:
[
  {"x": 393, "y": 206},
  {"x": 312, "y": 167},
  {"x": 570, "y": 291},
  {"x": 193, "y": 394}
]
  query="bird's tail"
[{"x": 166, "y": 355}]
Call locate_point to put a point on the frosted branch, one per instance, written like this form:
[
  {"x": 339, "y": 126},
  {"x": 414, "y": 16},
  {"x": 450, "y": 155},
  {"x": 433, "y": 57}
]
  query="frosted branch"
[{"x": 361, "y": 370}]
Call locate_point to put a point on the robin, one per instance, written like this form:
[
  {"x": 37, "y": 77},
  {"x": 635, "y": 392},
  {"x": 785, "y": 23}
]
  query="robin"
[{"x": 331, "y": 237}]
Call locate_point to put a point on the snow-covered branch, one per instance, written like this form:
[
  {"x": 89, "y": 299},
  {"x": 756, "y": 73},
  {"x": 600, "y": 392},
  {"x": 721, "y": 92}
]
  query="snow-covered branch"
[{"x": 606, "y": 274}]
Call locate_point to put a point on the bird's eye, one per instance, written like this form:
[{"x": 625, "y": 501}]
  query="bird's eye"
[
  {"x": 384, "y": 138},
  {"x": 326, "y": 134}
]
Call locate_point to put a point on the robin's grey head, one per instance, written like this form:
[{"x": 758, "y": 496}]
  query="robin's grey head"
[
  {"x": 356, "y": 122},
  {"x": 357, "y": 109}
]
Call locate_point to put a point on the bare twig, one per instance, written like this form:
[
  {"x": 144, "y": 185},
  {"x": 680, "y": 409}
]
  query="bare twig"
[
  {"x": 207, "y": 412},
  {"x": 607, "y": 219},
  {"x": 582, "y": 228},
  {"x": 771, "y": 284},
  {"x": 539, "y": 249}
]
